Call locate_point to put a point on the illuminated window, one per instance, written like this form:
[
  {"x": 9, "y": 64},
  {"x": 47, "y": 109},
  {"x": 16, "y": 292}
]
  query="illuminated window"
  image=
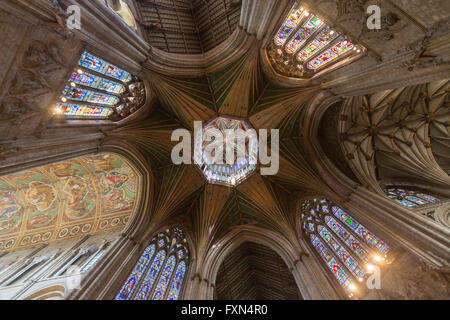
[
  {"x": 411, "y": 199},
  {"x": 345, "y": 245},
  {"x": 305, "y": 44},
  {"x": 161, "y": 269},
  {"x": 99, "y": 90}
]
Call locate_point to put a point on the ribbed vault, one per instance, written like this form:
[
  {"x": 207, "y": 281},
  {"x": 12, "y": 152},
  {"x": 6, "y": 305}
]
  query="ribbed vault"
[
  {"x": 398, "y": 133},
  {"x": 255, "y": 272}
]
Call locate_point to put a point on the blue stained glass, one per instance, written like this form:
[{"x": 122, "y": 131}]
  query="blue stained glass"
[
  {"x": 360, "y": 230},
  {"x": 95, "y": 82},
  {"x": 416, "y": 200},
  {"x": 160, "y": 277},
  {"x": 427, "y": 197},
  {"x": 349, "y": 240},
  {"x": 130, "y": 285},
  {"x": 150, "y": 277},
  {"x": 406, "y": 203},
  {"x": 91, "y": 62},
  {"x": 79, "y": 94},
  {"x": 177, "y": 281},
  {"x": 334, "y": 266},
  {"x": 342, "y": 253},
  {"x": 164, "y": 279}
]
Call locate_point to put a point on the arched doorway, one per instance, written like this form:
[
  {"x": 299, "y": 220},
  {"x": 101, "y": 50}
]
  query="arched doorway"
[{"x": 255, "y": 272}]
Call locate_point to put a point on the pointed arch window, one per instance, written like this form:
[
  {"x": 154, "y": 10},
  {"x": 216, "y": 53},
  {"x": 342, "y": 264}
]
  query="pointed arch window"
[
  {"x": 346, "y": 246},
  {"x": 410, "y": 198},
  {"x": 99, "y": 90},
  {"x": 161, "y": 269}
]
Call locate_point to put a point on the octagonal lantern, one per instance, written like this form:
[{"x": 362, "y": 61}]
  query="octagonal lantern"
[{"x": 226, "y": 151}]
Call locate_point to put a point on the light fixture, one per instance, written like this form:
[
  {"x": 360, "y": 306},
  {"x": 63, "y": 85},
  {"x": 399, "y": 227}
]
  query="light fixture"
[
  {"x": 80, "y": 71},
  {"x": 360, "y": 279},
  {"x": 58, "y": 110},
  {"x": 369, "y": 267},
  {"x": 352, "y": 287},
  {"x": 64, "y": 99},
  {"x": 332, "y": 32},
  {"x": 73, "y": 84},
  {"x": 359, "y": 50},
  {"x": 306, "y": 13}
]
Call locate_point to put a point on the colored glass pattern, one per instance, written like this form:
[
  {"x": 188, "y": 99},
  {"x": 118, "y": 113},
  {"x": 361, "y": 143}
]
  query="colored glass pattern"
[
  {"x": 360, "y": 230},
  {"x": 323, "y": 39},
  {"x": 130, "y": 285},
  {"x": 84, "y": 95},
  {"x": 409, "y": 198},
  {"x": 330, "y": 55},
  {"x": 289, "y": 25},
  {"x": 162, "y": 277},
  {"x": 177, "y": 281},
  {"x": 96, "y": 82},
  {"x": 303, "y": 34},
  {"x": 334, "y": 266},
  {"x": 75, "y": 110},
  {"x": 334, "y": 234},
  {"x": 91, "y": 62}
]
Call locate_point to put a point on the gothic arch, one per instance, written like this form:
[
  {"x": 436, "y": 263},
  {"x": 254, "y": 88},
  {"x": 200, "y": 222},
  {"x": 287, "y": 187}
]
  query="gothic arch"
[{"x": 309, "y": 286}]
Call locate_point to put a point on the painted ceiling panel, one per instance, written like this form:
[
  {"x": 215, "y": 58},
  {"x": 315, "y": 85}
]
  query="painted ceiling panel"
[{"x": 71, "y": 198}]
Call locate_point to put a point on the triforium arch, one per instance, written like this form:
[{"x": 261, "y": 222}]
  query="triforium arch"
[{"x": 311, "y": 285}]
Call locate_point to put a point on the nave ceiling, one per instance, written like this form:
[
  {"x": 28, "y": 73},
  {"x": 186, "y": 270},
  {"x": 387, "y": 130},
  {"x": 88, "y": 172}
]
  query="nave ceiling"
[{"x": 242, "y": 86}]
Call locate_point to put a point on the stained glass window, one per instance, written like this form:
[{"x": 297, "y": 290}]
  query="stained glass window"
[
  {"x": 160, "y": 277},
  {"x": 411, "y": 199},
  {"x": 307, "y": 29},
  {"x": 346, "y": 246},
  {"x": 291, "y": 22},
  {"x": 79, "y": 94},
  {"x": 323, "y": 39},
  {"x": 75, "y": 110},
  {"x": 93, "y": 63},
  {"x": 308, "y": 42},
  {"x": 96, "y": 82},
  {"x": 330, "y": 55},
  {"x": 99, "y": 90}
]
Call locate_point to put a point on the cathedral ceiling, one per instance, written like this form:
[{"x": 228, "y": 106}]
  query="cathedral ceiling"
[
  {"x": 188, "y": 26},
  {"x": 241, "y": 91},
  {"x": 398, "y": 133}
]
